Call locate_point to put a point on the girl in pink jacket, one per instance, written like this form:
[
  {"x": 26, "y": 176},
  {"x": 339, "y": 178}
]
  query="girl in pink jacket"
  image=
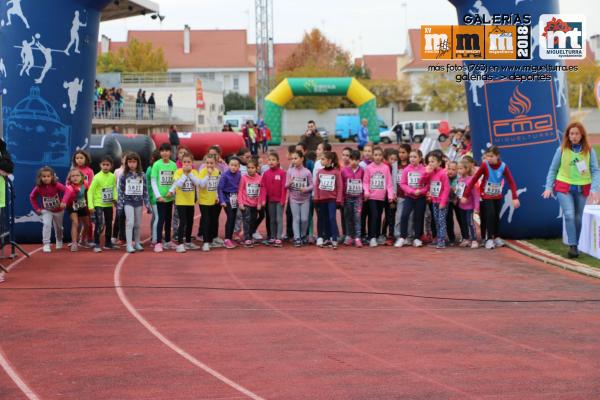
[
  {"x": 378, "y": 188},
  {"x": 414, "y": 198},
  {"x": 466, "y": 210},
  {"x": 251, "y": 199},
  {"x": 439, "y": 190},
  {"x": 48, "y": 193}
]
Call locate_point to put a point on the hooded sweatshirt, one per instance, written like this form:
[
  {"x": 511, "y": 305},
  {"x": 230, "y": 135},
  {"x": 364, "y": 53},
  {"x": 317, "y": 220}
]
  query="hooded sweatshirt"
[
  {"x": 50, "y": 195},
  {"x": 228, "y": 185},
  {"x": 250, "y": 193},
  {"x": 296, "y": 180},
  {"x": 439, "y": 186},
  {"x": 352, "y": 181},
  {"x": 329, "y": 186},
  {"x": 273, "y": 184},
  {"x": 411, "y": 181},
  {"x": 377, "y": 182}
]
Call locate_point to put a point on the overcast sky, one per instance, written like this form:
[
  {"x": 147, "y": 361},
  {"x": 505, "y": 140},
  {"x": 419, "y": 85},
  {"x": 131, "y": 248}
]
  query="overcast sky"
[{"x": 362, "y": 27}]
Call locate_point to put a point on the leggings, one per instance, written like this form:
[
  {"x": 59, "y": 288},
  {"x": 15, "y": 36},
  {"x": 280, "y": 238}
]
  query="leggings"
[
  {"x": 389, "y": 220},
  {"x": 165, "y": 215},
  {"x": 133, "y": 220},
  {"x": 104, "y": 217},
  {"x": 186, "y": 222},
  {"x": 50, "y": 218},
  {"x": 231, "y": 218},
  {"x": 250, "y": 221},
  {"x": 154, "y": 222},
  {"x": 119, "y": 226},
  {"x": 453, "y": 211},
  {"x": 417, "y": 208},
  {"x": 327, "y": 218},
  {"x": 289, "y": 221},
  {"x": 364, "y": 215},
  {"x": 467, "y": 224},
  {"x": 209, "y": 219},
  {"x": 300, "y": 213},
  {"x": 352, "y": 216},
  {"x": 439, "y": 215},
  {"x": 490, "y": 212},
  {"x": 275, "y": 220},
  {"x": 375, "y": 210}
]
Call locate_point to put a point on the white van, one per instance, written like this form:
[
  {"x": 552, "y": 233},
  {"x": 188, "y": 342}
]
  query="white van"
[
  {"x": 419, "y": 130},
  {"x": 236, "y": 121}
]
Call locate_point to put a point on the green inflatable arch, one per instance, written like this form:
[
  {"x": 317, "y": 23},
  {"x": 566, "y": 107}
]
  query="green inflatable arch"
[{"x": 349, "y": 87}]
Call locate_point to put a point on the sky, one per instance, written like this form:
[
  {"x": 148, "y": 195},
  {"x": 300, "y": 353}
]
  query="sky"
[{"x": 359, "y": 26}]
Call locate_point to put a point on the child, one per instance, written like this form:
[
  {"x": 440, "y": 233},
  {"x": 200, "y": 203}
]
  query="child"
[
  {"x": 184, "y": 188},
  {"x": 414, "y": 200},
  {"x": 50, "y": 192},
  {"x": 251, "y": 200},
  {"x": 494, "y": 171},
  {"x": 397, "y": 170},
  {"x": 182, "y": 151},
  {"x": 244, "y": 155},
  {"x": 76, "y": 205},
  {"x": 228, "y": 190},
  {"x": 162, "y": 178},
  {"x": 328, "y": 194},
  {"x": 467, "y": 209},
  {"x": 118, "y": 235},
  {"x": 321, "y": 148},
  {"x": 377, "y": 187},
  {"x": 154, "y": 220},
  {"x": 452, "y": 171},
  {"x": 391, "y": 160},
  {"x": 308, "y": 163},
  {"x": 101, "y": 197},
  {"x": 273, "y": 186},
  {"x": 439, "y": 190},
  {"x": 215, "y": 151},
  {"x": 132, "y": 196},
  {"x": 352, "y": 180},
  {"x": 346, "y": 157},
  {"x": 299, "y": 183},
  {"x": 345, "y": 163},
  {"x": 367, "y": 154},
  {"x": 82, "y": 161},
  {"x": 209, "y": 202},
  {"x": 289, "y": 232}
]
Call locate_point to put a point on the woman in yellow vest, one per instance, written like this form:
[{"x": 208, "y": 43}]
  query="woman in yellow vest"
[{"x": 573, "y": 174}]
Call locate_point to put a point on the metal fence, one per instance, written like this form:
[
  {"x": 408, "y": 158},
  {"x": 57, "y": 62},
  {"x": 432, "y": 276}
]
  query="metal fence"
[
  {"x": 7, "y": 225},
  {"x": 143, "y": 112}
]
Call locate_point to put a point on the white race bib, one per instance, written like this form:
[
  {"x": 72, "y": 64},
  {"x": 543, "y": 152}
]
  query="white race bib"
[
  {"x": 377, "y": 181},
  {"x": 492, "y": 189},
  {"x": 435, "y": 188},
  {"x": 354, "y": 187},
  {"x": 299, "y": 183},
  {"x": 581, "y": 166},
  {"x": 79, "y": 204},
  {"x": 327, "y": 182},
  {"x": 165, "y": 178},
  {"x": 107, "y": 195},
  {"x": 134, "y": 187},
  {"x": 213, "y": 183},
  {"x": 413, "y": 179},
  {"x": 51, "y": 203},
  {"x": 460, "y": 189},
  {"x": 188, "y": 186},
  {"x": 233, "y": 200},
  {"x": 252, "y": 190},
  {"x": 399, "y": 177}
]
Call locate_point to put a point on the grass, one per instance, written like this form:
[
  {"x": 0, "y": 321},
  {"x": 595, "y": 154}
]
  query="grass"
[{"x": 557, "y": 247}]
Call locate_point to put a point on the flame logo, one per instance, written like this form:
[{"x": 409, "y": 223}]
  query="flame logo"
[{"x": 519, "y": 104}]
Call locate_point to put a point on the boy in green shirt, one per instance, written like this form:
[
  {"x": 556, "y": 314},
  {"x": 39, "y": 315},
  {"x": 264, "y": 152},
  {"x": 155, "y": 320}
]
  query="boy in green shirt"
[
  {"x": 102, "y": 195},
  {"x": 161, "y": 179}
]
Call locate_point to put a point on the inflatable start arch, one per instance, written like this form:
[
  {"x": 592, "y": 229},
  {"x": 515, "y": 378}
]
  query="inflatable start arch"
[{"x": 349, "y": 87}]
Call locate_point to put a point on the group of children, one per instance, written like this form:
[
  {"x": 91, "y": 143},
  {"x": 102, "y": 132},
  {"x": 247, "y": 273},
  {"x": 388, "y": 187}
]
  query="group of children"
[{"x": 382, "y": 196}]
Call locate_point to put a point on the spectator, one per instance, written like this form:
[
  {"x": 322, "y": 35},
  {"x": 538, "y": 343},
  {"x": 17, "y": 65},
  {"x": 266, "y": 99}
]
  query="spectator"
[
  {"x": 227, "y": 128},
  {"x": 6, "y": 168},
  {"x": 246, "y": 132},
  {"x": 170, "y": 105},
  {"x": 311, "y": 138},
  {"x": 151, "y": 106},
  {"x": 363, "y": 134},
  {"x": 398, "y": 130},
  {"x": 144, "y": 103},
  {"x": 138, "y": 105},
  {"x": 174, "y": 141}
]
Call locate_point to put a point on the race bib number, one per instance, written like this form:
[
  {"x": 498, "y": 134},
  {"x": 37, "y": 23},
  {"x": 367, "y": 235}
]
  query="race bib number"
[
  {"x": 581, "y": 166},
  {"x": 134, "y": 187},
  {"x": 354, "y": 187},
  {"x": 79, "y": 204},
  {"x": 298, "y": 184},
  {"x": 377, "y": 181},
  {"x": 435, "y": 188},
  {"x": 413, "y": 179},
  {"x": 213, "y": 183},
  {"x": 51, "y": 203},
  {"x": 460, "y": 189},
  {"x": 399, "y": 177},
  {"x": 277, "y": 177},
  {"x": 107, "y": 195},
  {"x": 165, "y": 178},
  {"x": 188, "y": 186},
  {"x": 492, "y": 189},
  {"x": 233, "y": 200},
  {"x": 252, "y": 190},
  {"x": 327, "y": 183}
]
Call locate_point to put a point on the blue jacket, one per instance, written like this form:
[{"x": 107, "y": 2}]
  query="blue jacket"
[
  {"x": 363, "y": 135},
  {"x": 229, "y": 183}
]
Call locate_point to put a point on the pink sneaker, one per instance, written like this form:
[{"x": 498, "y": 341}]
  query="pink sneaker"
[
  {"x": 2, "y": 277},
  {"x": 357, "y": 242},
  {"x": 158, "y": 248},
  {"x": 348, "y": 241},
  {"x": 229, "y": 244}
]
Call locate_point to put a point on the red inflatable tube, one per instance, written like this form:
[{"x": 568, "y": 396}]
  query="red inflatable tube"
[{"x": 199, "y": 142}]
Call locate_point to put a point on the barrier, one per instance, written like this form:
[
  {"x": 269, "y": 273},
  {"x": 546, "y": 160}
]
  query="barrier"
[
  {"x": 198, "y": 143},
  {"x": 7, "y": 223}
]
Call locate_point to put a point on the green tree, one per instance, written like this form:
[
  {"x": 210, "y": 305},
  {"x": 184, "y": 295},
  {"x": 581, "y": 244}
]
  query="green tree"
[
  {"x": 389, "y": 91},
  {"x": 236, "y": 101},
  {"x": 440, "y": 93},
  {"x": 585, "y": 77},
  {"x": 136, "y": 57}
]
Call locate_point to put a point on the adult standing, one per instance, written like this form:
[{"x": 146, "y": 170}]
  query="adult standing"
[
  {"x": 311, "y": 138},
  {"x": 151, "y": 105},
  {"x": 573, "y": 174},
  {"x": 363, "y": 134},
  {"x": 6, "y": 168},
  {"x": 246, "y": 132},
  {"x": 174, "y": 141},
  {"x": 411, "y": 132},
  {"x": 170, "y": 105},
  {"x": 138, "y": 105},
  {"x": 398, "y": 130},
  {"x": 144, "y": 102}
]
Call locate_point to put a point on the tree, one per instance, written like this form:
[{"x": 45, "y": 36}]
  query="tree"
[
  {"x": 136, "y": 57},
  {"x": 236, "y": 101},
  {"x": 413, "y": 107},
  {"x": 389, "y": 91},
  {"x": 586, "y": 77},
  {"x": 440, "y": 93}
]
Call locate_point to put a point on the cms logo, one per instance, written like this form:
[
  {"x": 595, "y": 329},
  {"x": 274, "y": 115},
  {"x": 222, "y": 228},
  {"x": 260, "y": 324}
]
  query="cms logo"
[{"x": 562, "y": 36}]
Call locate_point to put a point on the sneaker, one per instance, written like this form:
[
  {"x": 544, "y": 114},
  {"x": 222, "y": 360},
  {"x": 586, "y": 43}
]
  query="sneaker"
[
  {"x": 408, "y": 242},
  {"x": 417, "y": 243},
  {"x": 269, "y": 242},
  {"x": 489, "y": 244},
  {"x": 257, "y": 236},
  {"x": 206, "y": 246},
  {"x": 97, "y": 249},
  {"x": 229, "y": 244},
  {"x": 381, "y": 240},
  {"x": 334, "y": 244},
  {"x": 309, "y": 240},
  {"x": 113, "y": 240},
  {"x": 499, "y": 242},
  {"x": 191, "y": 246},
  {"x": 297, "y": 242},
  {"x": 84, "y": 244},
  {"x": 59, "y": 245},
  {"x": 373, "y": 243},
  {"x": 237, "y": 237},
  {"x": 46, "y": 248},
  {"x": 130, "y": 249},
  {"x": 440, "y": 246},
  {"x": 358, "y": 243},
  {"x": 2, "y": 277},
  {"x": 180, "y": 248},
  {"x": 158, "y": 248},
  {"x": 199, "y": 238},
  {"x": 248, "y": 243},
  {"x": 573, "y": 252},
  {"x": 399, "y": 242},
  {"x": 278, "y": 243},
  {"x": 216, "y": 244},
  {"x": 218, "y": 241},
  {"x": 74, "y": 247},
  {"x": 319, "y": 242},
  {"x": 170, "y": 246},
  {"x": 139, "y": 247},
  {"x": 465, "y": 243},
  {"x": 348, "y": 241},
  {"x": 474, "y": 244}
]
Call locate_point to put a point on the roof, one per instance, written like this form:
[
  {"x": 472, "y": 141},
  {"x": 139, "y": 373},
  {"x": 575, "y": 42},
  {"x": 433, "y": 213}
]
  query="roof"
[
  {"x": 125, "y": 9},
  {"x": 382, "y": 66},
  {"x": 281, "y": 51}
]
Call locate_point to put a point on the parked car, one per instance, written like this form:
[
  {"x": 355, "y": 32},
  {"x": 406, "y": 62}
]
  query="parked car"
[
  {"x": 324, "y": 133},
  {"x": 388, "y": 136},
  {"x": 236, "y": 121},
  {"x": 421, "y": 129},
  {"x": 347, "y": 126}
]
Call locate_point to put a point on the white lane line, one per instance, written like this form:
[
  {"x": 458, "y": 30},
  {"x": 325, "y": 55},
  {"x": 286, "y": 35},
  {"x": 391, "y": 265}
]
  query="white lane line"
[
  {"x": 169, "y": 343},
  {"x": 5, "y": 364}
]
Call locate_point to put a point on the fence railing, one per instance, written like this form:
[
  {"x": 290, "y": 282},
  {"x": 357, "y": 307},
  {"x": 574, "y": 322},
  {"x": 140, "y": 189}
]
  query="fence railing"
[
  {"x": 144, "y": 113},
  {"x": 7, "y": 224}
]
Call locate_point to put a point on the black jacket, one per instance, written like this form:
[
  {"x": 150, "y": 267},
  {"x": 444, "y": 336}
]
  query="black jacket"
[
  {"x": 6, "y": 163},
  {"x": 311, "y": 142},
  {"x": 173, "y": 138}
]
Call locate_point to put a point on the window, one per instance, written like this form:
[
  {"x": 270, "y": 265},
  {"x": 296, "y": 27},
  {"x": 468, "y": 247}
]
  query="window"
[
  {"x": 201, "y": 119},
  {"x": 222, "y": 108},
  {"x": 220, "y": 120},
  {"x": 213, "y": 107},
  {"x": 236, "y": 83}
]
